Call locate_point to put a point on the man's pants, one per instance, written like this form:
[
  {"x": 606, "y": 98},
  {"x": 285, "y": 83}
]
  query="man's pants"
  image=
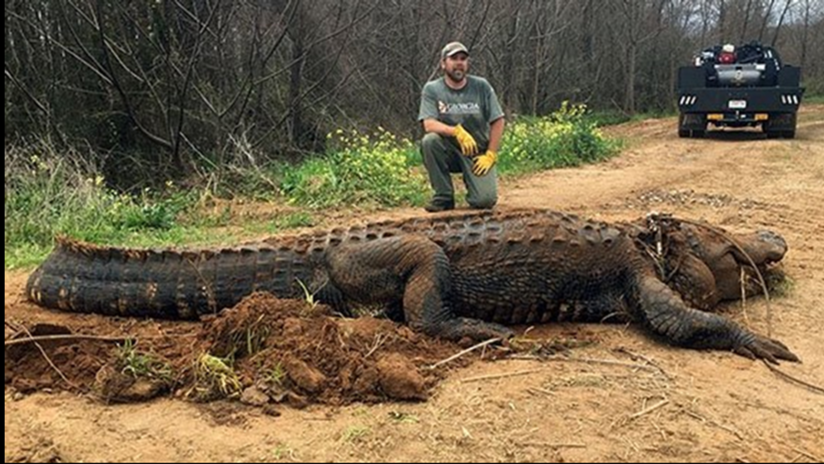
[{"x": 442, "y": 158}]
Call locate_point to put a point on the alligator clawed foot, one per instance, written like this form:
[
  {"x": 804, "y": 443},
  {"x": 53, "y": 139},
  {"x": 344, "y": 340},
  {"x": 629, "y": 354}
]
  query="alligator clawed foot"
[{"x": 768, "y": 349}]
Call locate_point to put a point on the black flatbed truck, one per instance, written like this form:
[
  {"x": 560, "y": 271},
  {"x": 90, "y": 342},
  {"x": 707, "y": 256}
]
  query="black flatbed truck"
[{"x": 757, "y": 89}]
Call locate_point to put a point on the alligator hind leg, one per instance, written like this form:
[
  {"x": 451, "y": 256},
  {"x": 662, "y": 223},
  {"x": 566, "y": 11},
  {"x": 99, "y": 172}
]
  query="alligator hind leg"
[{"x": 410, "y": 270}]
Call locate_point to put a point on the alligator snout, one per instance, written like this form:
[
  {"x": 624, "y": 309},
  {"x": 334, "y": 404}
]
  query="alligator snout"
[{"x": 772, "y": 246}]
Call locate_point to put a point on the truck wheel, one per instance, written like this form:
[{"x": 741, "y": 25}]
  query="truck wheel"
[
  {"x": 769, "y": 131},
  {"x": 684, "y": 133},
  {"x": 788, "y": 134}
]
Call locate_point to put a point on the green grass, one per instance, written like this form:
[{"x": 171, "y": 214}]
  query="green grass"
[
  {"x": 139, "y": 364},
  {"x": 276, "y": 375},
  {"x": 50, "y": 193},
  {"x": 215, "y": 378},
  {"x": 283, "y": 451},
  {"x": 813, "y": 98},
  {"x": 603, "y": 118},
  {"x": 279, "y": 224},
  {"x": 355, "y": 434}
]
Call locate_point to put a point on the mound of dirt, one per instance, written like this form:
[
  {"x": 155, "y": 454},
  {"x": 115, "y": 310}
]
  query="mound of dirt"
[
  {"x": 264, "y": 350},
  {"x": 287, "y": 349}
]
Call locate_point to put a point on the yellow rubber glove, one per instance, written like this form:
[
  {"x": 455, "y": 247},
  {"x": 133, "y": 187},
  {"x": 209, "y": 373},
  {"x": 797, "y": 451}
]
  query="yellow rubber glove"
[
  {"x": 484, "y": 163},
  {"x": 468, "y": 145}
]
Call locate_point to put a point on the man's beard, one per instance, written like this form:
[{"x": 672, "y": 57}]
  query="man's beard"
[{"x": 456, "y": 75}]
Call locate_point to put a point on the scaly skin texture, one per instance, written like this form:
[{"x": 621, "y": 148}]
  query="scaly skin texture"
[{"x": 452, "y": 275}]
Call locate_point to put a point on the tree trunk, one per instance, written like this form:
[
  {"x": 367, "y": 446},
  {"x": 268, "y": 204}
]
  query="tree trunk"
[{"x": 295, "y": 88}]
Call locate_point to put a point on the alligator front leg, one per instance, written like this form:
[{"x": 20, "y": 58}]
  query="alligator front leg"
[
  {"x": 666, "y": 314},
  {"x": 411, "y": 270}
]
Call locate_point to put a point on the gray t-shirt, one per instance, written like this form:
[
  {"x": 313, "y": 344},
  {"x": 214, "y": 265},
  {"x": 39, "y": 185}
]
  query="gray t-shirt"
[{"x": 474, "y": 106}]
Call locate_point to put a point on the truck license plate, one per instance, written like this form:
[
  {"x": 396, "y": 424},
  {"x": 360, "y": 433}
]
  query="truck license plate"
[{"x": 737, "y": 104}]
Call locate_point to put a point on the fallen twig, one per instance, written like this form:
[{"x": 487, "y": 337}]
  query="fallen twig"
[
  {"x": 715, "y": 423},
  {"x": 806, "y": 454},
  {"x": 46, "y": 357},
  {"x": 543, "y": 391},
  {"x": 379, "y": 339},
  {"x": 786, "y": 376},
  {"x": 648, "y": 360},
  {"x": 555, "y": 445},
  {"x": 12, "y": 325},
  {"x": 498, "y": 376},
  {"x": 15, "y": 328},
  {"x": 584, "y": 360},
  {"x": 468, "y": 350},
  {"x": 40, "y": 338},
  {"x": 744, "y": 298},
  {"x": 649, "y": 409}
]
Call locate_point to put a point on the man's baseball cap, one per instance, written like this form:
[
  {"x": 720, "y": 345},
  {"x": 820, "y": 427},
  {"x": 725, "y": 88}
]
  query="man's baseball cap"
[{"x": 452, "y": 48}]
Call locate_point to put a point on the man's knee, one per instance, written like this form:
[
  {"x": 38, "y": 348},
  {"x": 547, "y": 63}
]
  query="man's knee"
[
  {"x": 431, "y": 141},
  {"x": 485, "y": 200}
]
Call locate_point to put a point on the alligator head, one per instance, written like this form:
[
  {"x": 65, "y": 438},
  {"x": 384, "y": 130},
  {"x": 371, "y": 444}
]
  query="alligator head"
[
  {"x": 706, "y": 264},
  {"x": 730, "y": 257}
]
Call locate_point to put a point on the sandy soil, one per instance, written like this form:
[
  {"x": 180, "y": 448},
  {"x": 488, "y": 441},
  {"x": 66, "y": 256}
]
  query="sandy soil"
[{"x": 650, "y": 402}]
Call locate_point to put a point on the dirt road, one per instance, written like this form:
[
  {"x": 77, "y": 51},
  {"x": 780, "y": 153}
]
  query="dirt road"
[{"x": 681, "y": 405}]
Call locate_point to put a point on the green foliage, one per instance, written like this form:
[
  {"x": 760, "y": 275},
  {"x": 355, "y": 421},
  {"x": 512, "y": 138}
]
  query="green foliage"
[
  {"x": 276, "y": 375},
  {"x": 49, "y": 194},
  {"x": 283, "y": 451},
  {"x": 360, "y": 169},
  {"x": 814, "y": 98},
  {"x": 308, "y": 297},
  {"x": 403, "y": 417},
  {"x": 607, "y": 117},
  {"x": 138, "y": 364},
  {"x": 281, "y": 223},
  {"x": 564, "y": 138},
  {"x": 614, "y": 117},
  {"x": 380, "y": 169},
  {"x": 215, "y": 378},
  {"x": 355, "y": 434}
]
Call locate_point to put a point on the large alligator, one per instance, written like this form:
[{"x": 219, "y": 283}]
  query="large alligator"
[{"x": 454, "y": 275}]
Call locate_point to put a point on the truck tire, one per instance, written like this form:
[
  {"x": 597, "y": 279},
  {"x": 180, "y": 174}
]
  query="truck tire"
[
  {"x": 771, "y": 132},
  {"x": 780, "y": 125},
  {"x": 789, "y": 130},
  {"x": 691, "y": 125}
]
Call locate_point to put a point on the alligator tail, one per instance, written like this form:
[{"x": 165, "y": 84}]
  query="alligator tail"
[{"x": 172, "y": 284}]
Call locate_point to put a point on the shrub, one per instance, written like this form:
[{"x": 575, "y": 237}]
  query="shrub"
[
  {"x": 360, "y": 169},
  {"x": 564, "y": 138}
]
